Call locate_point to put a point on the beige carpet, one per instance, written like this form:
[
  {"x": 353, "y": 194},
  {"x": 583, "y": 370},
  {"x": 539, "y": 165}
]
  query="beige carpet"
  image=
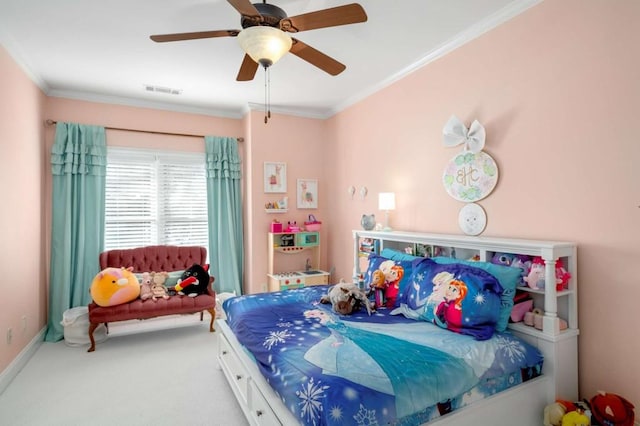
[{"x": 165, "y": 377}]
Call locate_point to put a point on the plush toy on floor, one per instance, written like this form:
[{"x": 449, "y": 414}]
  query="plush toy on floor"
[
  {"x": 114, "y": 286},
  {"x": 612, "y": 410},
  {"x": 565, "y": 413},
  {"x": 194, "y": 281},
  {"x": 158, "y": 290}
]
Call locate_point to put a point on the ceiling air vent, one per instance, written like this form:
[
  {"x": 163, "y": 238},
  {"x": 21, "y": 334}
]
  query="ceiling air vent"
[{"x": 160, "y": 89}]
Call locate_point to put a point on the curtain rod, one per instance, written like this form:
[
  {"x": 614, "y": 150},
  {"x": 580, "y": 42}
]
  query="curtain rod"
[{"x": 240, "y": 139}]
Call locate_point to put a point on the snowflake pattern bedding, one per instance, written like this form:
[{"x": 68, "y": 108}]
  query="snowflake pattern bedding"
[{"x": 379, "y": 369}]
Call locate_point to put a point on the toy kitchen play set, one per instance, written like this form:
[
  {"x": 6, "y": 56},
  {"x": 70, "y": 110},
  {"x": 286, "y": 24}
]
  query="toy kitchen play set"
[{"x": 294, "y": 256}]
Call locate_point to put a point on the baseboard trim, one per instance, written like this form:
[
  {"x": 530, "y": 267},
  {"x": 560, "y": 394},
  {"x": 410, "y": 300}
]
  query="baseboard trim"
[{"x": 21, "y": 360}]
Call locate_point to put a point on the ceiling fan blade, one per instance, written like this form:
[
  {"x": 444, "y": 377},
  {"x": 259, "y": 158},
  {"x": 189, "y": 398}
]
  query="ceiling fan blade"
[
  {"x": 247, "y": 69},
  {"x": 332, "y": 17},
  {"x": 244, "y": 7},
  {"x": 161, "y": 38},
  {"x": 317, "y": 58}
]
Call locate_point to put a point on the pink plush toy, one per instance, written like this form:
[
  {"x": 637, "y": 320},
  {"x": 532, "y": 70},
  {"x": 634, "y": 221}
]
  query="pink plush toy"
[
  {"x": 535, "y": 279},
  {"x": 145, "y": 286},
  {"x": 562, "y": 276}
]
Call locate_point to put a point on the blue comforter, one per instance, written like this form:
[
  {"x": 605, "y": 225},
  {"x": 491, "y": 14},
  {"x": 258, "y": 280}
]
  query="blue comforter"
[{"x": 379, "y": 369}]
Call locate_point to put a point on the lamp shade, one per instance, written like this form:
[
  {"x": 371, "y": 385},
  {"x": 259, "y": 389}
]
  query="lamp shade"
[
  {"x": 265, "y": 45},
  {"x": 387, "y": 201}
]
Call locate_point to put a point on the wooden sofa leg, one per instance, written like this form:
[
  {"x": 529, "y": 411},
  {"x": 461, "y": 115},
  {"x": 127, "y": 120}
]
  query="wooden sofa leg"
[
  {"x": 92, "y": 328},
  {"x": 212, "y": 311}
]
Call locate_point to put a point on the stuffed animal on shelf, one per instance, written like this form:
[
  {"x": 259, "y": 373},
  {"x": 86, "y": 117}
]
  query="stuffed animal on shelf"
[
  {"x": 535, "y": 278},
  {"x": 158, "y": 290},
  {"x": 346, "y": 298},
  {"x": 521, "y": 261},
  {"x": 145, "y": 286},
  {"x": 562, "y": 276},
  {"x": 193, "y": 281},
  {"x": 114, "y": 286}
]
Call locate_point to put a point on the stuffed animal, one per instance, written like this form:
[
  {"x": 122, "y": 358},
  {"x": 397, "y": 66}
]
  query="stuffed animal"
[
  {"x": 158, "y": 289},
  {"x": 553, "y": 413},
  {"x": 393, "y": 274},
  {"x": 576, "y": 418},
  {"x": 562, "y": 276},
  {"x": 194, "y": 281},
  {"x": 346, "y": 298},
  {"x": 612, "y": 410},
  {"x": 377, "y": 287},
  {"x": 114, "y": 286},
  {"x": 535, "y": 278},
  {"x": 145, "y": 286}
]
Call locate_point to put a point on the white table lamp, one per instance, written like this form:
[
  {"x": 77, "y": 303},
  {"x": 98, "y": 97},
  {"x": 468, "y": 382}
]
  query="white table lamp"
[{"x": 386, "y": 202}]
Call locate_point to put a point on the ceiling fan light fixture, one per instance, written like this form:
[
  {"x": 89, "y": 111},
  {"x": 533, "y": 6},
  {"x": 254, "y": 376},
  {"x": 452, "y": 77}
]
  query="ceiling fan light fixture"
[{"x": 266, "y": 45}]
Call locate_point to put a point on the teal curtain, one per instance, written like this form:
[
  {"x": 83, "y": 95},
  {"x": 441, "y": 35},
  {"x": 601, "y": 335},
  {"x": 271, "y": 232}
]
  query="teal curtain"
[
  {"x": 224, "y": 205},
  {"x": 78, "y": 166}
]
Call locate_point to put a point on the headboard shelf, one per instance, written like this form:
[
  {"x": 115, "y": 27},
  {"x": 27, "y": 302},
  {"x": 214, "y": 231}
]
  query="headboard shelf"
[
  {"x": 560, "y": 347},
  {"x": 484, "y": 248}
]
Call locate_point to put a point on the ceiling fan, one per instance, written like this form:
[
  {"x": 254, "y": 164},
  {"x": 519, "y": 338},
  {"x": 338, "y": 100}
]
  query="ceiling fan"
[{"x": 267, "y": 18}]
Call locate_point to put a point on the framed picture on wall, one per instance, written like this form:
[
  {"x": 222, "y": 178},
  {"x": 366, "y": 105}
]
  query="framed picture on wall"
[
  {"x": 275, "y": 177},
  {"x": 307, "y": 193}
]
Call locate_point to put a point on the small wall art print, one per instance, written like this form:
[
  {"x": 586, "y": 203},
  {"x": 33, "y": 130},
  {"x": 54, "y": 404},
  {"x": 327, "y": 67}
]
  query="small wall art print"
[
  {"x": 470, "y": 177},
  {"x": 275, "y": 177},
  {"x": 307, "y": 193}
]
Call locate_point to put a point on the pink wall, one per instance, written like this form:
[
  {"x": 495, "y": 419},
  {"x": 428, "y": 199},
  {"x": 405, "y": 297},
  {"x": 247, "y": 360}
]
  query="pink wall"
[
  {"x": 301, "y": 144},
  {"x": 21, "y": 218},
  {"x": 557, "y": 91}
]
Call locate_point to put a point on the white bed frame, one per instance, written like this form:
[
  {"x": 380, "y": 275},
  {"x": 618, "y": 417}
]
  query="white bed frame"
[{"x": 522, "y": 405}]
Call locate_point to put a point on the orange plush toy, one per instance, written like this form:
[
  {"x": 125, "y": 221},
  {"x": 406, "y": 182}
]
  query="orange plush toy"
[{"x": 114, "y": 286}]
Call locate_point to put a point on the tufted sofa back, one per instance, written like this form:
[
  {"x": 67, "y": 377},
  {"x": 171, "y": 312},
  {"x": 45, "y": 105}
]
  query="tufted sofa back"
[{"x": 154, "y": 258}]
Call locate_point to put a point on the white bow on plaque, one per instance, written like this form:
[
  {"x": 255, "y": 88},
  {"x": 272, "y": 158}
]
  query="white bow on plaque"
[{"x": 455, "y": 133}]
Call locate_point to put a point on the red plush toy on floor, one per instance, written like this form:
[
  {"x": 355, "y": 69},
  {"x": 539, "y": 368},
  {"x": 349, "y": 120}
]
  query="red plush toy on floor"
[{"x": 609, "y": 409}]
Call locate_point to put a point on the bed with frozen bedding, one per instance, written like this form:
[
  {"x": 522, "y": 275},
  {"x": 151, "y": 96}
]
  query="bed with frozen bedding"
[
  {"x": 378, "y": 369},
  {"x": 439, "y": 349}
]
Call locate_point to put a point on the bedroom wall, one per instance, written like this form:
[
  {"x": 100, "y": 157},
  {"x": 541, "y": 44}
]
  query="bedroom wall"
[
  {"x": 300, "y": 143},
  {"x": 557, "y": 91},
  {"x": 21, "y": 218}
]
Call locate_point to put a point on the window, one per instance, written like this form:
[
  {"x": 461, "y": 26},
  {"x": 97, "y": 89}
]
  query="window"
[{"x": 155, "y": 198}]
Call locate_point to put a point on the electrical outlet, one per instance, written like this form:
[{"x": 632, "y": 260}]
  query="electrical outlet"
[{"x": 9, "y": 335}]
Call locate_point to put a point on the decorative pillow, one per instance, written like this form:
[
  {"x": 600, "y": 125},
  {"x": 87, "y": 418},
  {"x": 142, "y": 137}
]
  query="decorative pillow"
[
  {"x": 457, "y": 297},
  {"x": 114, "y": 286},
  {"x": 508, "y": 277},
  {"x": 397, "y": 274}
]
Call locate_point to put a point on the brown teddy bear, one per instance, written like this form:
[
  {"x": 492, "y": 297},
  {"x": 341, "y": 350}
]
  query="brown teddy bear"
[{"x": 158, "y": 290}]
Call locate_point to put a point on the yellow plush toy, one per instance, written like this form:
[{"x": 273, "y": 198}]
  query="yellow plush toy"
[
  {"x": 114, "y": 286},
  {"x": 575, "y": 418}
]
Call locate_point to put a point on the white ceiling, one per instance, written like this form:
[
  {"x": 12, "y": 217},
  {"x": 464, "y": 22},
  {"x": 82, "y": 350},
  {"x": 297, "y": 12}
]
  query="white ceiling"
[{"x": 101, "y": 51}]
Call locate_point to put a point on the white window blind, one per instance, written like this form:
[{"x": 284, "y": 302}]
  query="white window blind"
[{"x": 155, "y": 198}]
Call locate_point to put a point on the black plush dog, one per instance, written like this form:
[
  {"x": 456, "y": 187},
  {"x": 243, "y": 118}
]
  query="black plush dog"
[{"x": 193, "y": 281}]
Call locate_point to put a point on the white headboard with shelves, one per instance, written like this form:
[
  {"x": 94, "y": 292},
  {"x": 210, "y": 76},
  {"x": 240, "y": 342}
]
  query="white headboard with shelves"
[{"x": 558, "y": 346}]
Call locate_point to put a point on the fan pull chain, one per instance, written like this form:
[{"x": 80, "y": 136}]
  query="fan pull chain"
[{"x": 267, "y": 94}]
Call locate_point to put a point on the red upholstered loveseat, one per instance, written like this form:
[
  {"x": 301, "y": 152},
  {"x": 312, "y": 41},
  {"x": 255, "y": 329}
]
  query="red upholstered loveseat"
[{"x": 147, "y": 259}]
